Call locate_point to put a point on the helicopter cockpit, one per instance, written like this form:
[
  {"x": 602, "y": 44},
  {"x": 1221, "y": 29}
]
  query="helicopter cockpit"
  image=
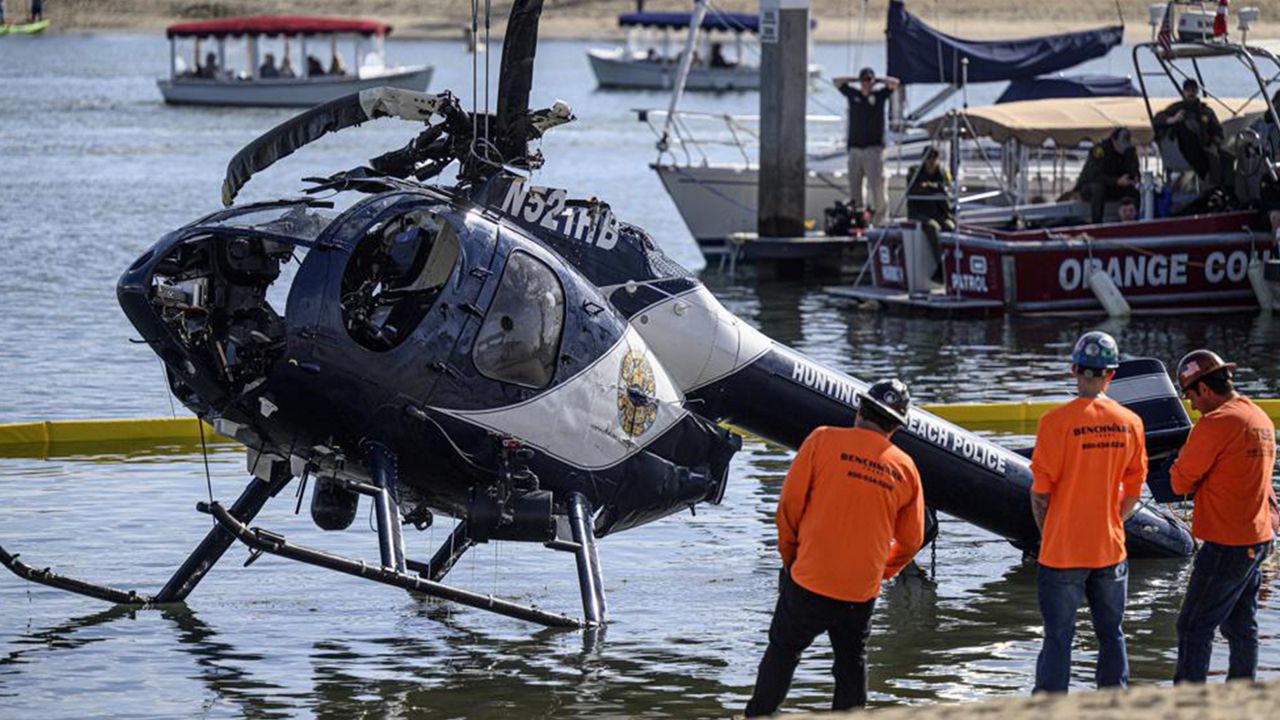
[{"x": 394, "y": 277}]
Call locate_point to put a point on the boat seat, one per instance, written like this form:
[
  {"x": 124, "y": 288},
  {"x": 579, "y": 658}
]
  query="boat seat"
[{"x": 1171, "y": 157}]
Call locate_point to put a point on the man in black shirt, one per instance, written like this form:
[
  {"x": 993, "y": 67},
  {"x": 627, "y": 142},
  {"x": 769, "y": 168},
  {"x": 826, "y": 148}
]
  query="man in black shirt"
[
  {"x": 1110, "y": 173},
  {"x": 929, "y": 203},
  {"x": 867, "y": 101},
  {"x": 1195, "y": 127}
]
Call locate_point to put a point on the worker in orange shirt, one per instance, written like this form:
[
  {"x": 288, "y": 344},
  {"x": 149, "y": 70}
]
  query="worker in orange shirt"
[
  {"x": 1227, "y": 462},
  {"x": 1088, "y": 468},
  {"x": 851, "y": 514}
]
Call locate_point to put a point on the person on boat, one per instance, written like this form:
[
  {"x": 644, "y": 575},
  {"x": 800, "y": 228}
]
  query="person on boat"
[
  {"x": 268, "y": 68},
  {"x": 315, "y": 68},
  {"x": 718, "y": 60},
  {"x": 286, "y": 67},
  {"x": 337, "y": 66},
  {"x": 37, "y": 10},
  {"x": 651, "y": 55},
  {"x": 1087, "y": 469},
  {"x": 1195, "y": 128},
  {"x": 210, "y": 68},
  {"x": 851, "y": 514},
  {"x": 1227, "y": 462},
  {"x": 2, "y": 20},
  {"x": 929, "y": 202},
  {"x": 867, "y": 101},
  {"x": 1128, "y": 210},
  {"x": 1110, "y": 173}
]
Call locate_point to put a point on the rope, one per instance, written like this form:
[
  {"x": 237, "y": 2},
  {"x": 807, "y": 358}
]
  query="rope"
[{"x": 208, "y": 477}]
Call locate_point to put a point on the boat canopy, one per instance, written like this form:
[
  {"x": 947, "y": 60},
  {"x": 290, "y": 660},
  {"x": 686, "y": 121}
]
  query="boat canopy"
[
  {"x": 921, "y": 54},
  {"x": 272, "y": 25},
  {"x": 1069, "y": 86},
  {"x": 1067, "y": 122},
  {"x": 712, "y": 21}
]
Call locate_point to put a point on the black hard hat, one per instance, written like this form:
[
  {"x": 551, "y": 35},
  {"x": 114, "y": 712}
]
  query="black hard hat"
[
  {"x": 1196, "y": 364},
  {"x": 889, "y": 397}
]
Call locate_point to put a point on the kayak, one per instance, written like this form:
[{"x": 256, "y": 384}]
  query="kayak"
[{"x": 24, "y": 28}]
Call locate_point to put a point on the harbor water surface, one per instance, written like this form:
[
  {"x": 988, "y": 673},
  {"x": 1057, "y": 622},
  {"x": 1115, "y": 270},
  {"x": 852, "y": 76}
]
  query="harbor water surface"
[{"x": 93, "y": 169}]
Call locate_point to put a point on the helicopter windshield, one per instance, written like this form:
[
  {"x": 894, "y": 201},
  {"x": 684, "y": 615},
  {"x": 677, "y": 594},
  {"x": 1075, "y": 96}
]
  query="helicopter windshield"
[{"x": 520, "y": 338}]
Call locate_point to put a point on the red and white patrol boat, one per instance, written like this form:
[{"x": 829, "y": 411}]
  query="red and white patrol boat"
[
  {"x": 1182, "y": 256},
  {"x": 1198, "y": 263}
]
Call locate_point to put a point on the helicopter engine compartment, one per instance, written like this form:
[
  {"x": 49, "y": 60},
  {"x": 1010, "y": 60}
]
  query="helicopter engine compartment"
[{"x": 211, "y": 292}]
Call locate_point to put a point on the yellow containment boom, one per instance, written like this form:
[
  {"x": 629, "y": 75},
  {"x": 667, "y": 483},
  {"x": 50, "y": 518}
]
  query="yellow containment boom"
[{"x": 73, "y": 437}]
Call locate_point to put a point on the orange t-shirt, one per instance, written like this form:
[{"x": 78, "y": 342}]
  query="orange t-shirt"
[
  {"x": 1227, "y": 463},
  {"x": 851, "y": 513},
  {"x": 1088, "y": 454}
]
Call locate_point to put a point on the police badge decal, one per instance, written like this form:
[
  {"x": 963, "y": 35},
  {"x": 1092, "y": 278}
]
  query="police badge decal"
[{"x": 637, "y": 407}]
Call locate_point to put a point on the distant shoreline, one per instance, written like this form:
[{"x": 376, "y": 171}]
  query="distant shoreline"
[
  {"x": 596, "y": 19},
  {"x": 828, "y": 31}
]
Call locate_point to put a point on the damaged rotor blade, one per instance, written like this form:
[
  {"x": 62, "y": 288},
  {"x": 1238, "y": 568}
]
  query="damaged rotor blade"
[
  {"x": 515, "y": 80},
  {"x": 305, "y": 128}
]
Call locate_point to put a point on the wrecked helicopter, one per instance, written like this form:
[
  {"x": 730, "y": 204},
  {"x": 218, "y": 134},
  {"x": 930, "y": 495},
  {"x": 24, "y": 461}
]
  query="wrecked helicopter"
[{"x": 503, "y": 354}]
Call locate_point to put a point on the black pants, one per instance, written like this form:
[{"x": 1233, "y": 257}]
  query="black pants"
[
  {"x": 1098, "y": 194},
  {"x": 799, "y": 618}
]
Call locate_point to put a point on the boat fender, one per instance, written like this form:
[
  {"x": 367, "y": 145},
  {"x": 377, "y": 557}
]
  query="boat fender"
[
  {"x": 1261, "y": 288},
  {"x": 1104, "y": 288}
]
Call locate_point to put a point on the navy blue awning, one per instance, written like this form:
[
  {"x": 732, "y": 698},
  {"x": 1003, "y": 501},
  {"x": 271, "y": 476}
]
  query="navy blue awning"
[
  {"x": 726, "y": 22},
  {"x": 1068, "y": 86},
  {"x": 921, "y": 54}
]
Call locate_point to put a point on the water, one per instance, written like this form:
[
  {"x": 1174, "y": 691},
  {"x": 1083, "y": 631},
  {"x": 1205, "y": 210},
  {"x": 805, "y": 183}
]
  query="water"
[{"x": 95, "y": 169}]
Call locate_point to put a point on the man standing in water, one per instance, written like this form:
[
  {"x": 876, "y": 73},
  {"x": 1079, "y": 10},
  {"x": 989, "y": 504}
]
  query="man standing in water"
[
  {"x": 1088, "y": 468},
  {"x": 865, "y": 143},
  {"x": 1227, "y": 462},
  {"x": 851, "y": 514}
]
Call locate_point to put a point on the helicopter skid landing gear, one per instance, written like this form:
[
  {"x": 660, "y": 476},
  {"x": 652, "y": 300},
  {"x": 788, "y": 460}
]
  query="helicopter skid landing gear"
[
  {"x": 594, "y": 608},
  {"x": 266, "y": 541},
  {"x": 193, "y": 569}
]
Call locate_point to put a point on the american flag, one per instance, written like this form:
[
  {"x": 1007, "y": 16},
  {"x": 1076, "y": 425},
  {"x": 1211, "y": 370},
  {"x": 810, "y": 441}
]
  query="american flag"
[{"x": 1165, "y": 37}]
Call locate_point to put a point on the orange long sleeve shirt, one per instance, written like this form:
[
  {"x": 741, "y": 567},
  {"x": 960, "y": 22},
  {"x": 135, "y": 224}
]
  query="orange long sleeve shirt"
[
  {"x": 851, "y": 513},
  {"x": 1089, "y": 453},
  {"x": 1227, "y": 462}
]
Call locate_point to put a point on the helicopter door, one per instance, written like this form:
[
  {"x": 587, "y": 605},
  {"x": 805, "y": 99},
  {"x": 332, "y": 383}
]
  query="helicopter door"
[{"x": 519, "y": 341}]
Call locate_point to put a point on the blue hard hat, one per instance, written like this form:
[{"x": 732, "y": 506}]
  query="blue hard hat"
[{"x": 1096, "y": 350}]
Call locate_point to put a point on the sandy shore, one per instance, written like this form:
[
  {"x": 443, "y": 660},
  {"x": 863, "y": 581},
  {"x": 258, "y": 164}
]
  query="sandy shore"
[
  {"x": 838, "y": 20},
  {"x": 1216, "y": 701}
]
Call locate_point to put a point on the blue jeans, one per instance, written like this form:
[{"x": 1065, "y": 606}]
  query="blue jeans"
[
  {"x": 1061, "y": 594},
  {"x": 1222, "y": 593}
]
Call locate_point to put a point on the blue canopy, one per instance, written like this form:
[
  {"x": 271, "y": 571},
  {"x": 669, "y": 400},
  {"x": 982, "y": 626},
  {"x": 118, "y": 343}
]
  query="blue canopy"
[
  {"x": 921, "y": 54},
  {"x": 727, "y": 22},
  {"x": 1068, "y": 86}
]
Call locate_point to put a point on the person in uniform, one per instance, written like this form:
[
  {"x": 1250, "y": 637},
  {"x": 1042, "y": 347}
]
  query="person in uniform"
[
  {"x": 1088, "y": 468},
  {"x": 1227, "y": 462},
  {"x": 867, "y": 101},
  {"x": 929, "y": 203},
  {"x": 1110, "y": 173},
  {"x": 851, "y": 514},
  {"x": 1195, "y": 127}
]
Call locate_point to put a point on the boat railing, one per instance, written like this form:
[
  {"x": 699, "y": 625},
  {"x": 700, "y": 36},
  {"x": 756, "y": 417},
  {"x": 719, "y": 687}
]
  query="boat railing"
[{"x": 704, "y": 138}]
